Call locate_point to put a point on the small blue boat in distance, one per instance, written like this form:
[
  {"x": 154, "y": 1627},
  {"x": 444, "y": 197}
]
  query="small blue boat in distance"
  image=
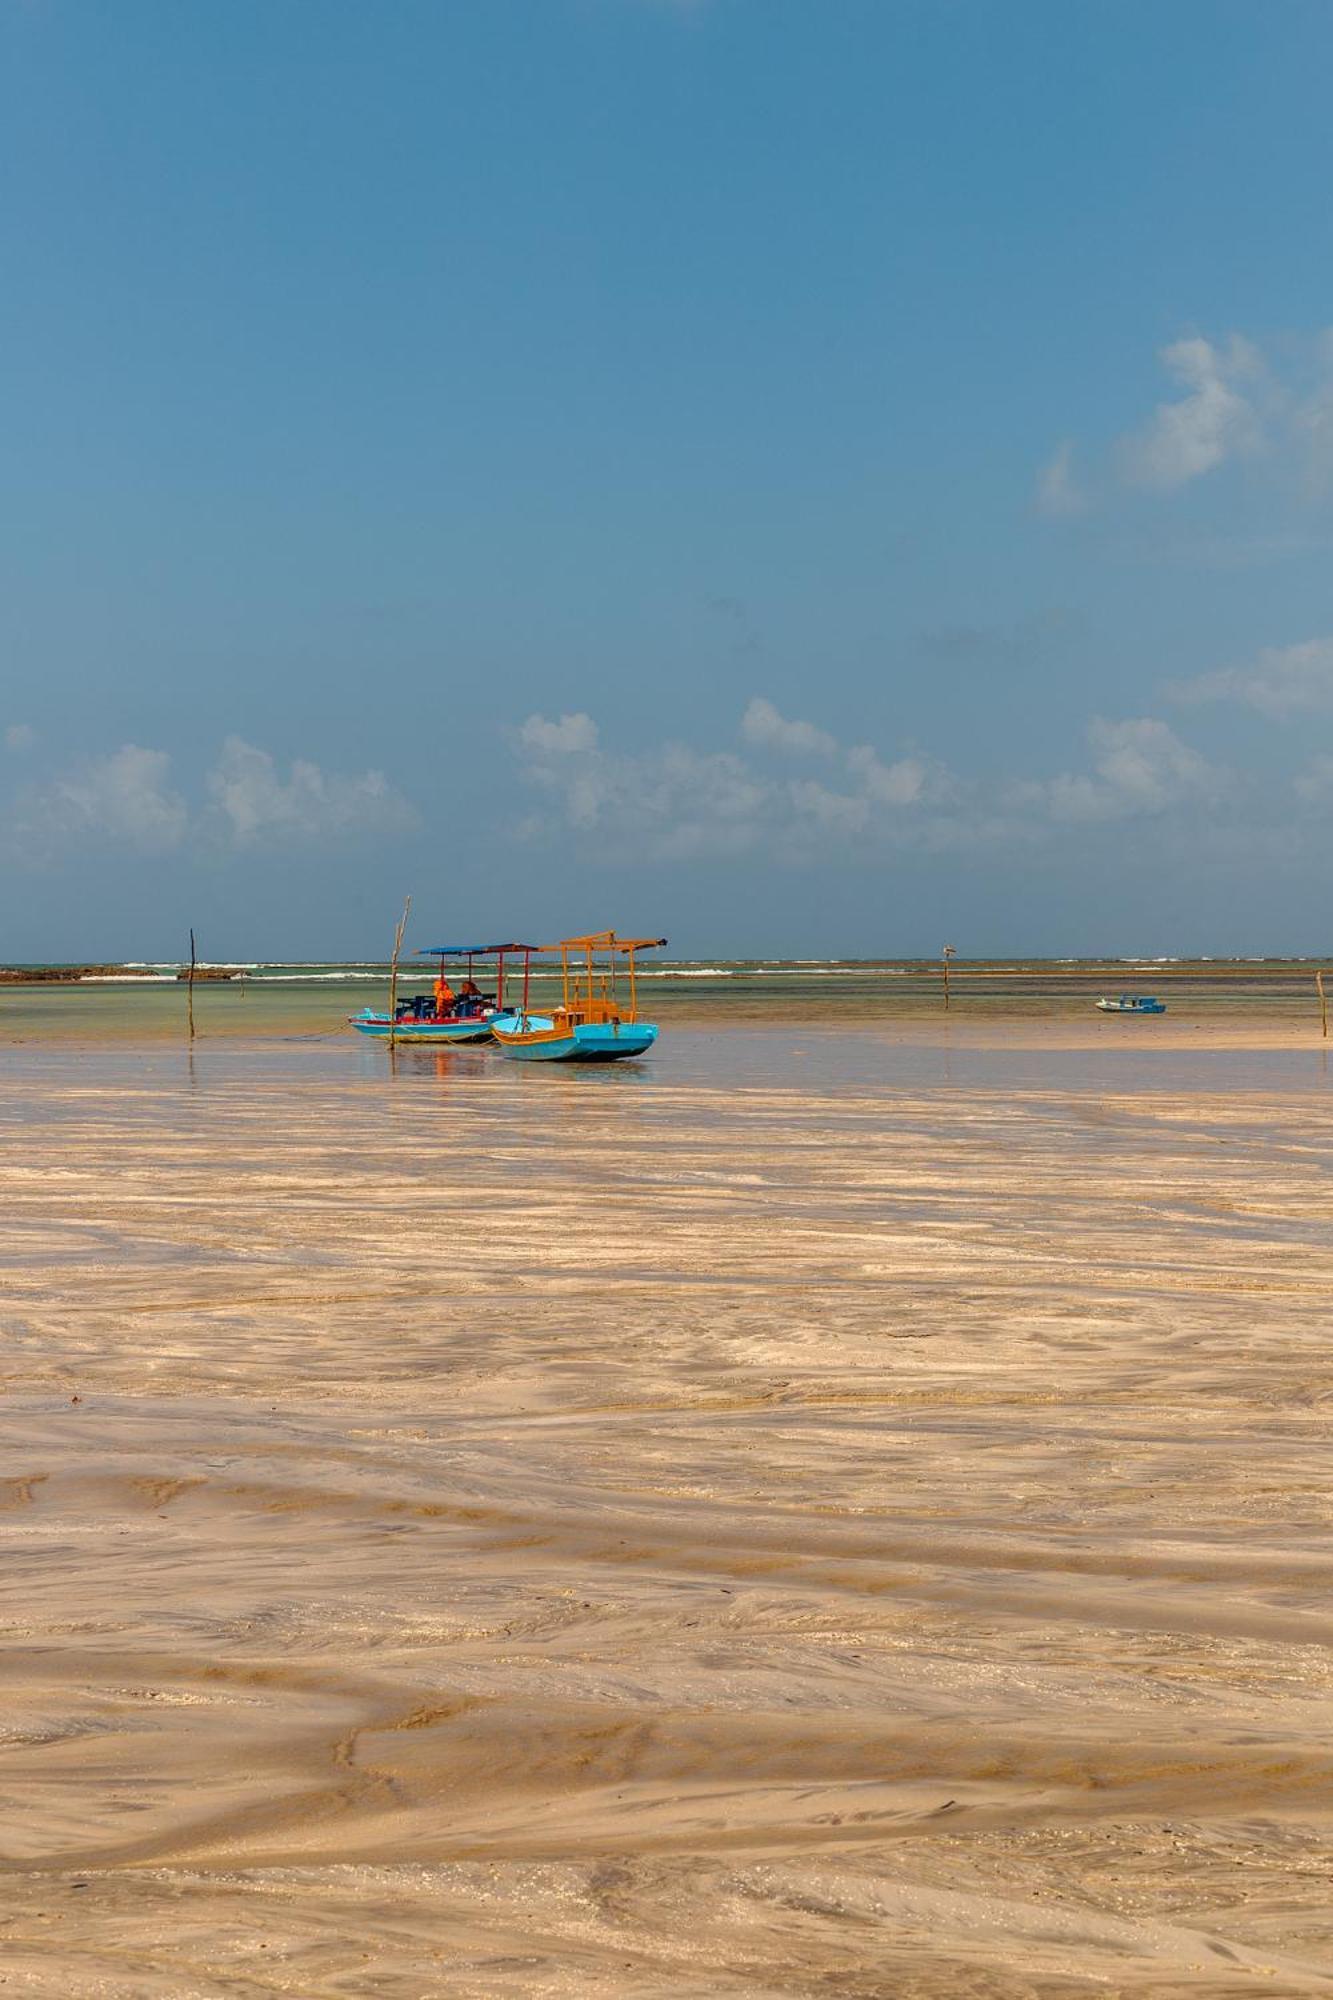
[
  {"x": 1132, "y": 1003},
  {"x": 593, "y": 1021},
  {"x": 443, "y": 1016}
]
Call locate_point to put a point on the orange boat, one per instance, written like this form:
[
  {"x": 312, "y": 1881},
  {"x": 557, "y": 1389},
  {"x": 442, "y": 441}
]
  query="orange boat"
[{"x": 597, "y": 1019}]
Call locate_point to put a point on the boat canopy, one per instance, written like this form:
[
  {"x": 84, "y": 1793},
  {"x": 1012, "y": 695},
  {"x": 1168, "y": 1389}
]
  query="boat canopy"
[
  {"x": 469, "y": 950},
  {"x": 602, "y": 941}
]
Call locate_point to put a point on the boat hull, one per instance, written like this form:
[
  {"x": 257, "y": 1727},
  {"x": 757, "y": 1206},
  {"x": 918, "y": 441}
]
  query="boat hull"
[
  {"x": 536, "y": 1038},
  {"x": 1139, "y": 1007},
  {"x": 434, "y": 1032}
]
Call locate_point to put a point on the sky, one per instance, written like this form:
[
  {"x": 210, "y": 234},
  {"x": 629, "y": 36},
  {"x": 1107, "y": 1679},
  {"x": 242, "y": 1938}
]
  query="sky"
[{"x": 796, "y": 476}]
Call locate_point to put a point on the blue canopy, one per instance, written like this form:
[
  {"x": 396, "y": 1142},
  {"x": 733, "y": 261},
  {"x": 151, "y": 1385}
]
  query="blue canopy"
[{"x": 468, "y": 950}]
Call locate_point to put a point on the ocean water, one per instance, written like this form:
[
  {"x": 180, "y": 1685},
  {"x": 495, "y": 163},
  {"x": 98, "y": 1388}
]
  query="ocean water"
[{"x": 306, "y": 999}]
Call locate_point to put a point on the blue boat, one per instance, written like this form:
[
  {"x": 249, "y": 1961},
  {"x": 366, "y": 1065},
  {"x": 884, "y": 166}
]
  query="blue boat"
[
  {"x": 555, "y": 1038},
  {"x": 1132, "y": 1003},
  {"x": 591, "y": 1022},
  {"x": 443, "y": 1016}
]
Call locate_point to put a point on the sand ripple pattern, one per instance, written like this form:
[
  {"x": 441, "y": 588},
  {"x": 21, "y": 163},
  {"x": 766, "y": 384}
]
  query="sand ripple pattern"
[{"x": 486, "y": 1534}]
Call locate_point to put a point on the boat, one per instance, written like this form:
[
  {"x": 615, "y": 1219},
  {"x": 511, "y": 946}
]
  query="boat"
[
  {"x": 1132, "y": 1003},
  {"x": 464, "y": 1016},
  {"x": 591, "y": 1023}
]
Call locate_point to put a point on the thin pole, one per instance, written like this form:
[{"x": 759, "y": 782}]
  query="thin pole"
[
  {"x": 189, "y": 989},
  {"x": 945, "y": 956},
  {"x": 393, "y": 972},
  {"x": 1323, "y": 1005}
]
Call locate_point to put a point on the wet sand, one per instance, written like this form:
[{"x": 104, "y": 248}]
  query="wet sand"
[{"x": 812, "y": 1514}]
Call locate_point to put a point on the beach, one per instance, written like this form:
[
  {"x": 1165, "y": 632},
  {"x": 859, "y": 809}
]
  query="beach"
[{"x": 839, "y": 1507}]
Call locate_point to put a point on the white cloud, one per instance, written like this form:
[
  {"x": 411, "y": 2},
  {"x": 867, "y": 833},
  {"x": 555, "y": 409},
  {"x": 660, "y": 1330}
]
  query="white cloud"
[
  {"x": 127, "y": 800},
  {"x": 1234, "y": 402},
  {"x": 1315, "y": 783},
  {"x": 699, "y": 801},
  {"x": 827, "y": 810},
  {"x": 1282, "y": 681},
  {"x": 1140, "y": 766},
  {"x": 1312, "y": 413},
  {"x": 900, "y": 784},
  {"x": 880, "y": 798},
  {"x": 255, "y": 802},
  {"x": 676, "y": 800},
  {"x": 567, "y": 737},
  {"x": 124, "y": 799},
  {"x": 19, "y": 737},
  {"x": 768, "y": 729},
  {"x": 1058, "y": 492},
  {"x": 1211, "y": 422}
]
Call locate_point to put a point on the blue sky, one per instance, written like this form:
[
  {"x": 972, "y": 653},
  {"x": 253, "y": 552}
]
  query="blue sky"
[{"x": 801, "y": 475}]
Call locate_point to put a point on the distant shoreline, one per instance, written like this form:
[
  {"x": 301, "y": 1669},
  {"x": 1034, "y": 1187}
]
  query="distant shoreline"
[
  {"x": 1113, "y": 971},
  {"x": 72, "y": 975}
]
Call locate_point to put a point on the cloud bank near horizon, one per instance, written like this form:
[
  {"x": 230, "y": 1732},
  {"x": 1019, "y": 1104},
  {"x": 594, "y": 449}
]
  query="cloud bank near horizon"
[
  {"x": 129, "y": 799},
  {"x": 783, "y": 787},
  {"x": 677, "y": 801}
]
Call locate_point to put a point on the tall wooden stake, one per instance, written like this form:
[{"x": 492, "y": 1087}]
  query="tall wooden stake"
[
  {"x": 945, "y": 956},
  {"x": 393, "y": 971},
  {"x": 1323, "y": 1005},
  {"x": 189, "y": 989}
]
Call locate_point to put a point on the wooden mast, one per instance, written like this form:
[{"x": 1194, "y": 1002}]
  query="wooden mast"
[{"x": 393, "y": 972}]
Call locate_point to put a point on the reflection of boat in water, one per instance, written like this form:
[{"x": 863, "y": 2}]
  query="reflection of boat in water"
[
  {"x": 1132, "y": 1003},
  {"x": 443, "y": 1016},
  {"x": 590, "y": 1023}
]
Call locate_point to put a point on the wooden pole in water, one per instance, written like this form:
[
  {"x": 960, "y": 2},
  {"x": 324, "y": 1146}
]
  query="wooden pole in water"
[
  {"x": 189, "y": 989},
  {"x": 393, "y": 971},
  {"x": 1323, "y": 1005},
  {"x": 945, "y": 956}
]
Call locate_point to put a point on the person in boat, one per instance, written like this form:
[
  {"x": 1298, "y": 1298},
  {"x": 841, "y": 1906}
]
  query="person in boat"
[
  {"x": 470, "y": 997},
  {"x": 444, "y": 996}
]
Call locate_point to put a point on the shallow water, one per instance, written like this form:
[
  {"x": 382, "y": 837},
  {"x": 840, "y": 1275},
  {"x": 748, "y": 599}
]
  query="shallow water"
[
  {"x": 811, "y": 1512},
  {"x": 1208, "y": 996}
]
